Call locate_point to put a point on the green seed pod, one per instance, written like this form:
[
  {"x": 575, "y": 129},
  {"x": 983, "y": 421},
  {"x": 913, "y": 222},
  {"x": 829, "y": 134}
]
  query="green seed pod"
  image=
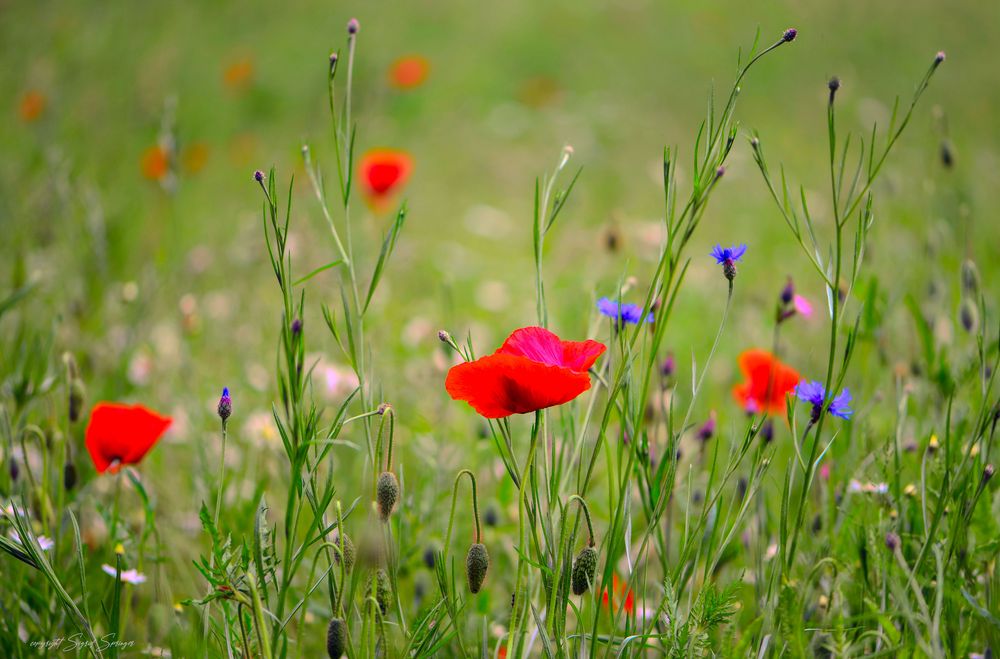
[
  {"x": 584, "y": 570},
  {"x": 336, "y": 638},
  {"x": 386, "y": 493},
  {"x": 349, "y": 552},
  {"x": 77, "y": 395},
  {"x": 476, "y": 564},
  {"x": 383, "y": 590}
]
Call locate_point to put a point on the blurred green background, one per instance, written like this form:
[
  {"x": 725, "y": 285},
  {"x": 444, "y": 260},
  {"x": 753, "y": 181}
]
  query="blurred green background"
[{"x": 166, "y": 297}]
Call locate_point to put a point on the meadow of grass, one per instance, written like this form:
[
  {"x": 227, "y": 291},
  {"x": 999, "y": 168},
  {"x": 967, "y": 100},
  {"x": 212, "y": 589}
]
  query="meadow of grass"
[{"x": 189, "y": 209}]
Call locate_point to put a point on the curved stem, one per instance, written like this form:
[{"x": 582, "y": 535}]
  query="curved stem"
[
  {"x": 475, "y": 510},
  {"x": 586, "y": 515}
]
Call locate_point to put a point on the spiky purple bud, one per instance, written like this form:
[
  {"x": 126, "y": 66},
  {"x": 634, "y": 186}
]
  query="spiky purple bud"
[
  {"x": 258, "y": 176},
  {"x": 225, "y": 408},
  {"x": 789, "y": 34}
]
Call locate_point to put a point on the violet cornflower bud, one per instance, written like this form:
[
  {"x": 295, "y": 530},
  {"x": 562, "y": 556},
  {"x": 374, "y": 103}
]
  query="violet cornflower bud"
[
  {"x": 707, "y": 429},
  {"x": 668, "y": 366},
  {"x": 789, "y": 35},
  {"x": 353, "y": 26},
  {"x": 225, "y": 408},
  {"x": 788, "y": 292},
  {"x": 296, "y": 327},
  {"x": 258, "y": 176},
  {"x": 767, "y": 431},
  {"x": 891, "y": 541}
]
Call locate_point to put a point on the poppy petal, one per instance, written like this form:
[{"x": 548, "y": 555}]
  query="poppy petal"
[
  {"x": 383, "y": 170},
  {"x": 540, "y": 345},
  {"x": 122, "y": 433},
  {"x": 503, "y": 384},
  {"x": 768, "y": 381}
]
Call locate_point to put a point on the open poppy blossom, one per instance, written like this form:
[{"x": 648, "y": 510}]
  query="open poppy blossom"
[
  {"x": 383, "y": 172},
  {"x": 155, "y": 163},
  {"x": 120, "y": 434},
  {"x": 621, "y": 594},
  {"x": 532, "y": 370},
  {"x": 768, "y": 381},
  {"x": 409, "y": 72}
]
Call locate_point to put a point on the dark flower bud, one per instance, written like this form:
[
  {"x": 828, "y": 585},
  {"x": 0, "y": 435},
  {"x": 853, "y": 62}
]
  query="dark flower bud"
[
  {"x": 970, "y": 277},
  {"x": 833, "y": 85},
  {"x": 296, "y": 327},
  {"x": 969, "y": 315},
  {"x": 491, "y": 517},
  {"x": 225, "y": 408},
  {"x": 383, "y": 590},
  {"x": 584, "y": 570},
  {"x": 353, "y": 26},
  {"x": 988, "y": 471},
  {"x": 444, "y": 336},
  {"x": 333, "y": 63},
  {"x": 939, "y": 58},
  {"x": 477, "y": 562},
  {"x": 741, "y": 488},
  {"x": 69, "y": 476},
  {"x": 14, "y": 469},
  {"x": 383, "y": 408},
  {"x": 729, "y": 270},
  {"x": 947, "y": 154},
  {"x": 788, "y": 292},
  {"x": 891, "y": 541},
  {"x": 817, "y": 524},
  {"x": 386, "y": 494},
  {"x": 707, "y": 429},
  {"x": 789, "y": 34},
  {"x": 336, "y": 638},
  {"x": 767, "y": 431},
  {"x": 258, "y": 176},
  {"x": 430, "y": 557},
  {"x": 668, "y": 366},
  {"x": 349, "y": 552},
  {"x": 77, "y": 395}
]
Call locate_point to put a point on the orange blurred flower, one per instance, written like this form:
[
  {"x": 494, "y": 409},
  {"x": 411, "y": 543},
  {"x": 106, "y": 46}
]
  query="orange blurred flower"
[
  {"x": 238, "y": 74},
  {"x": 409, "y": 72},
  {"x": 32, "y": 105},
  {"x": 155, "y": 163},
  {"x": 383, "y": 172},
  {"x": 767, "y": 383},
  {"x": 620, "y": 590}
]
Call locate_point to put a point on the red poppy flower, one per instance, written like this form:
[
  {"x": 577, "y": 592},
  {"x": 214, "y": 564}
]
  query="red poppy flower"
[
  {"x": 155, "y": 163},
  {"x": 383, "y": 172},
  {"x": 532, "y": 370},
  {"x": 619, "y": 589},
  {"x": 409, "y": 72},
  {"x": 122, "y": 434},
  {"x": 767, "y": 382},
  {"x": 32, "y": 105}
]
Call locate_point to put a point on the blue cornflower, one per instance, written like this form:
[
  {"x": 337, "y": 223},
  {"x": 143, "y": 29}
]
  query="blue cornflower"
[
  {"x": 623, "y": 313},
  {"x": 727, "y": 257},
  {"x": 815, "y": 393}
]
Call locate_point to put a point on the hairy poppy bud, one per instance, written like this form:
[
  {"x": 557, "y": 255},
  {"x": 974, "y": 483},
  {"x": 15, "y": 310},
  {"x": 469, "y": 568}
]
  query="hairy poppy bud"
[
  {"x": 69, "y": 476},
  {"x": 348, "y": 550},
  {"x": 383, "y": 590},
  {"x": 476, "y": 565},
  {"x": 77, "y": 394},
  {"x": 336, "y": 638},
  {"x": 386, "y": 493},
  {"x": 584, "y": 570}
]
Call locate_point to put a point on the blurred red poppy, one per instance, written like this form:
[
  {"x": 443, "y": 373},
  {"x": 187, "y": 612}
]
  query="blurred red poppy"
[
  {"x": 532, "y": 370},
  {"x": 32, "y": 105},
  {"x": 383, "y": 172},
  {"x": 768, "y": 381},
  {"x": 409, "y": 72},
  {"x": 619, "y": 590},
  {"x": 155, "y": 163},
  {"x": 120, "y": 434},
  {"x": 238, "y": 74}
]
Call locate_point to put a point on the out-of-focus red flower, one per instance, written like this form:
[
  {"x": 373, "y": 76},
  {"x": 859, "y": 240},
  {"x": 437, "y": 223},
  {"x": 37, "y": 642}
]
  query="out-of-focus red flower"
[
  {"x": 32, "y": 105},
  {"x": 532, "y": 370},
  {"x": 767, "y": 383},
  {"x": 155, "y": 163},
  {"x": 383, "y": 172},
  {"x": 409, "y": 72},
  {"x": 120, "y": 434},
  {"x": 619, "y": 590}
]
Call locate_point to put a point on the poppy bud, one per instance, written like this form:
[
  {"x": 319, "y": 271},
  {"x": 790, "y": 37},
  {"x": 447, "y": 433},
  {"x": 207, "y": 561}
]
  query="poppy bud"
[
  {"x": 336, "y": 638},
  {"x": 476, "y": 564},
  {"x": 584, "y": 570},
  {"x": 225, "y": 408},
  {"x": 69, "y": 476},
  {"x": 386, "y": 493},
  {"x": 969, "y": 315},
  {"x": 970, "y": 277},
  {"x": 891, "y": 541},
  {"x": 77, "y": 393},
  {"x": 383, "y": 590},
  {"x": 348, "y": 550}
]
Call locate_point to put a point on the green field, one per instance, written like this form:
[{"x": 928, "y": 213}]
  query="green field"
[{"x": 135, "y": 266}]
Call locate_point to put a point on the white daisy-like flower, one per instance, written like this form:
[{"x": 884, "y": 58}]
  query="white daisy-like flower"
[
  {"x": 43, "y": 542},
  {"x": 128, "y": 576}
]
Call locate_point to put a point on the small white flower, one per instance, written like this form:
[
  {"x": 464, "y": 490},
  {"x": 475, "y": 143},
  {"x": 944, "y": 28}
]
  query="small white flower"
[
  {"x": 43, "y": 542},
  {"x": 128, "y": 576}
]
